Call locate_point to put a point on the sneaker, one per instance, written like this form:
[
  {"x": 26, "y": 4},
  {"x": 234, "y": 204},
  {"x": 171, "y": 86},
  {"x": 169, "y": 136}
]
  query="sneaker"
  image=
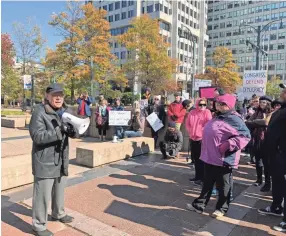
[
  {"x": 281, "y": 227},
  {"x": 266, "y": 188},
  {"x": 268, "y": 211},
  {"x": 198, "y": 182},
  {"x": 217, "y": 214},
  {"x": 258, "y": 183},
  {"x": 191, "y": 163},
  {"x": 214, "y": 192},
  {"x": 66, "y": 219},
  {"x": 190, "y": 207}
]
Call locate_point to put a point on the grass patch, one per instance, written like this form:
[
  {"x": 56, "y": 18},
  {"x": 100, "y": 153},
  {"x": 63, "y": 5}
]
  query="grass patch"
[{"x": 12, "y": 113}]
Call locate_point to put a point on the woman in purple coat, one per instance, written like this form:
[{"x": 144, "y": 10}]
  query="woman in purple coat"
[{"x": 223, "y": 139}]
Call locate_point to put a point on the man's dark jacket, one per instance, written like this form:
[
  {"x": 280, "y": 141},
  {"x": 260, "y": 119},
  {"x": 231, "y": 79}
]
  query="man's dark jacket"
[
  {"x": 275, "y": 140},
  {"x": 174, "y": 139},
  {"x": 50, "y": 152}
]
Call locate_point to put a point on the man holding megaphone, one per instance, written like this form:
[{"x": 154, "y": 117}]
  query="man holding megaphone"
[{"x": 50, "y": 158}]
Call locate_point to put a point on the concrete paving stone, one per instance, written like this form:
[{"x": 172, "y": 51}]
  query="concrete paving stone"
[
  {"x": 69, "y": 232},
  {"x": 256, "y": 224}
]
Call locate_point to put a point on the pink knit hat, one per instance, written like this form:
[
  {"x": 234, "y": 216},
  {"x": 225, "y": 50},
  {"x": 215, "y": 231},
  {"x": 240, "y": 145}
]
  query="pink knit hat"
[{"x": 228, "y": 99}]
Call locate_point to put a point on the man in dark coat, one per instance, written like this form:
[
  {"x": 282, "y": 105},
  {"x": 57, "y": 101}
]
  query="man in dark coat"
[
  {"x": 49, "y": 159},
  {"x": 173, "y": 141},
  {"x": 275, "y": 149}
]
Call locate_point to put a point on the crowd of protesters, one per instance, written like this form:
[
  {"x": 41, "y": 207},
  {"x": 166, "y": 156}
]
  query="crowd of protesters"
[{"x": 219, "y": 129}]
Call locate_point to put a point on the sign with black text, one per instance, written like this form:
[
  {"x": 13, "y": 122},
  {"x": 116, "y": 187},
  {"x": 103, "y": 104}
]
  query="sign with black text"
[
  {"x": 119, "y": 118},
  {"x": 254, "y": 82}
]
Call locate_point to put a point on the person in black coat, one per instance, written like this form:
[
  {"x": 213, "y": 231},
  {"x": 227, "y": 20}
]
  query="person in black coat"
[{"x": 159, "y": 110}]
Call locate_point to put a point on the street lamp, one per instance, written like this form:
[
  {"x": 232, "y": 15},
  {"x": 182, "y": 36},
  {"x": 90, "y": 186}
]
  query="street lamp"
[
  {"x": 188, "y": 35},
  {"x": 258, "y": 30}
]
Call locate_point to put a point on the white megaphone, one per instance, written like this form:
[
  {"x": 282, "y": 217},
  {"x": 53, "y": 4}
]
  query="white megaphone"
[{"x": 80, "y": 125}]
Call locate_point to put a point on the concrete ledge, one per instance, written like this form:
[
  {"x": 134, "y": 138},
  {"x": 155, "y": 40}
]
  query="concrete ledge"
[
  {"x": 13, "y": 122},
  {"x": 97, "y": 154},
  {"x": 16, "y": 171}
]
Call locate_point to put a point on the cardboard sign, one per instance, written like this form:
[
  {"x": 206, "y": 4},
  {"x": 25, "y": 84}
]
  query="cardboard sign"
[
  {"x": 207, "y": 92},
  {"x": 254, "y": 82},
  {"x": 154, "y": 122},
  {"x": 119, "y": 118}
]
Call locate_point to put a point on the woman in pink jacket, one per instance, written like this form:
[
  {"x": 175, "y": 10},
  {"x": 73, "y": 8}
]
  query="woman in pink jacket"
[{"x": 195, "y": 123}]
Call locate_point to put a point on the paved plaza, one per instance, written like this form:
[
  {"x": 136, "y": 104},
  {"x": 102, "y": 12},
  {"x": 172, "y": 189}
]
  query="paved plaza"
[{"x": 140, "y": 196}]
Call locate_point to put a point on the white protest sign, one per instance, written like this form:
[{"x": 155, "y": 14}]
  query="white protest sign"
[
  {"x": 185, "y": 96},
  {"x": 27, "y": 79},
  {"x": 119, "y": 118},
  {"x": 202, "y": 83},
  {"x": 154, "y": 122},
  {"x": 254, "y": 82}
]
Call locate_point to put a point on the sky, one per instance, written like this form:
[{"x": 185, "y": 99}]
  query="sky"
[{"x": 39, "y": 11}]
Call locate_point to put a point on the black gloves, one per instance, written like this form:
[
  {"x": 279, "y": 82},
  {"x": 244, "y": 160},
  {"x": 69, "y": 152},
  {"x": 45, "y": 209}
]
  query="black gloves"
[
  {"x": 174, "y": 117},
  {"x": 65, "y": 128},
  {"x": 68, "y": 129}
]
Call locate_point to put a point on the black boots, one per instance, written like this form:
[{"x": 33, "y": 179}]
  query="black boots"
[{"x": 259, "y": 170}]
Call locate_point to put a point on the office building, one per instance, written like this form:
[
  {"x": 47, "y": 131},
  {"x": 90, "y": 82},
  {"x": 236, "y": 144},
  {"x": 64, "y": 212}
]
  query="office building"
[
  {"x": 224, "y": 19},
  {"x": 186, "y": 18}
]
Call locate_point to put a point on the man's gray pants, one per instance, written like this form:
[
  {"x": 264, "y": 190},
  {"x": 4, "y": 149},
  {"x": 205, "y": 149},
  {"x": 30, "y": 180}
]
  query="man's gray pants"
[{"x": 44, "y": 189}]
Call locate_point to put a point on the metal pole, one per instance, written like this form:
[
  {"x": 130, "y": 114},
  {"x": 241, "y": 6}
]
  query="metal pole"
[
  {"x": 258, "y": 47},
  {"x": 194, "y": 68},
  {"x": 91, "y": 79},
  {"x": 32, "y": 92}
]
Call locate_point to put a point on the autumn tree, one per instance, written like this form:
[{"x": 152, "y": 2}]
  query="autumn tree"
[
  {"x": 223, "y": 74},
  {"x": 29, "y": 42},
  {"x": 10, "y": 80},
  {"x": 149, "y": 62},
  {"x": 85, "y": 42},
  {"x": 272, "y": 88}
]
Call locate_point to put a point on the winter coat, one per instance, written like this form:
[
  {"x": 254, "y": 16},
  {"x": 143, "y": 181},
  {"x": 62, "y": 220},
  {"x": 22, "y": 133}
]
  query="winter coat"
[
  {"x": 258, "y": 123},
  {"x": 50, "y": 155},
  {"x": 79, "y": 101},
  {"x": 104, "y": 116},
  {"x": 196, "y": 121},
  {"x": 275, "y": 140},
  {"x": 137, "y": 124},
  {"x": 159, "y": 110},
  {"x": 117, "y": 108},
  {"x": 223, "y": 139},
  {"x": 176, "y": 109}
]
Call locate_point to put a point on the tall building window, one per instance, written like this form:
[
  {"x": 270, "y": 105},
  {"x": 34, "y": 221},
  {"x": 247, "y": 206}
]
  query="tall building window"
[
  {"x": 131, "y": 3},
  {"x": 117, "y": 17},
  {"x": 130, "y": 14},
  {"x": 187, "y": 10},
  {"x": 123, "y": 15},
  {"x": 115, "y": 45},
  {"x": 110, "y": 7},
  {"x": 183, "y": 7},
  {"x": 157, "y": 7},
  {"x": 117, "y": 5},
  {"x": 143, "y": 10},
  {"x": 165, "y": 10},
  {"x": 110, "y": 18},
  {"x": 123, "y": 3},
  {"x": 123, "y": 55},
  {"x": 150, "y": 9},
  {"x": 274, "y": 6},
  {"x": 105, "y": 7}
]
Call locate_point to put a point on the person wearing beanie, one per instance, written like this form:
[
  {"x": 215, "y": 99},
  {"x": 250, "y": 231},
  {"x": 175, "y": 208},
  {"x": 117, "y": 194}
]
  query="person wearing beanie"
[
  {"x": 275, "y": 149},
  {"x": 173, "y": 141},
  {"x": 118, "y": 130},
  {"x": 258, "y": 122},
  {"x": 276, "y": 105},
  {"x": 217, "y": 92},
  {"x": 223, "y": 139},
  {"x": 176, "y": 111}
]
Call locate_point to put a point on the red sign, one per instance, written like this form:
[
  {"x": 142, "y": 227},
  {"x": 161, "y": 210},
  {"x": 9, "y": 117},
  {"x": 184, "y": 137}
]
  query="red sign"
[{"x": 207, "y": 92}]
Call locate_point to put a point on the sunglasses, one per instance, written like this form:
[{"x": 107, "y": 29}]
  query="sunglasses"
[{"x": 202, "y": 105}]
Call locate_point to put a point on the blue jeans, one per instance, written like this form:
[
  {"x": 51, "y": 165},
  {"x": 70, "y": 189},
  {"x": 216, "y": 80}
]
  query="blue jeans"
[
  {"x": 131, "y": 134},
  {"x": 119, "y": 132}
]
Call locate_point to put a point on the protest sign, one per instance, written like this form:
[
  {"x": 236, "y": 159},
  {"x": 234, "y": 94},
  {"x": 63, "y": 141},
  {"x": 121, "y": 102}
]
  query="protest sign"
[
  {"x": 154, "y": 122},
  {"x": 254, "y": 82},
  {"x": 119, "y": 118},
  {"x": 207, "y": 92},
  {"x": 27, "y": 79},
  {"x": 199, "y": 83}
]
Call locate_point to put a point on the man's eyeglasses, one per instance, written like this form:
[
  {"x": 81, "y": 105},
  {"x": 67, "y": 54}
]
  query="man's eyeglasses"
[{"x": 202, "y": 105}]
